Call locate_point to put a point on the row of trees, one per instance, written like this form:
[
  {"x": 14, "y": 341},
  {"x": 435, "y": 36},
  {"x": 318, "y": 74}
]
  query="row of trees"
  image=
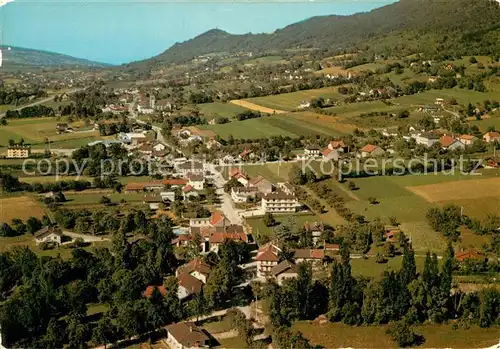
[{"x": 35, "y": 111}]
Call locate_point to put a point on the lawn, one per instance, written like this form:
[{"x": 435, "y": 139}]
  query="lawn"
[
  {"x": 21, "y": 207},
  {"x": 259, "y": 228},
  {"x": 337, "y": 335},
  {"x": 89, "y": 198},
  {"x": 487, "y": 123},
  {"x": 291, "y": 101},
  {"x": 369, "y": 268},
  {"x": 36, "y": 130},
  {"x": 292, "y": 125}
]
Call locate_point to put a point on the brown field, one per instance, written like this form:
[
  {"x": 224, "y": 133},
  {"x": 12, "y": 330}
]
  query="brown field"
[
  {"x": 459, "y": 190},
  {"x": 21, "y": 207},
  {"x": 256, "y": 107}
]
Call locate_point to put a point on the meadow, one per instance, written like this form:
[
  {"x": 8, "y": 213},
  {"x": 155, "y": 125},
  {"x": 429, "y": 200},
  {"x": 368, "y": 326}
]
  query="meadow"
[
  {"x": 291, "y": 101},
  {"x": 396, "y": 196},
  {"x": 36, "y": 130},
  {"x": 211, "y": 110},
  {"x": 21, "y": 207},
  {"x": 292, "y": 125},
  {"x": 338, "y": 335}
]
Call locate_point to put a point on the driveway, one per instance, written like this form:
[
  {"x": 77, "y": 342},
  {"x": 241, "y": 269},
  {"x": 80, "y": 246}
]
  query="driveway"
[{"x": 85, "y": 237}]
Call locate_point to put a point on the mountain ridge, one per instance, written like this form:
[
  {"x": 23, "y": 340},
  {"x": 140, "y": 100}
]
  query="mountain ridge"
[
  {"x": 15, "y": 56},
  {"x": 449, "y": 23}
]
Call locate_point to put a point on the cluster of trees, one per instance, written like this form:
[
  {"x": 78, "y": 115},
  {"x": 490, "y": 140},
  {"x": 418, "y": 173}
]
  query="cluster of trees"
[
  {"x": 16, "y": 97},
  {"x": 107, "y": 129},
  {"x": 248, "y": 114},
  {"x": 11, "y": 183},
  {"x": 446, "y": 220},
  {"x": 18, "y": 227},
  {"x": 49, "y": 306},
  {"x": 35, "y": 111}
]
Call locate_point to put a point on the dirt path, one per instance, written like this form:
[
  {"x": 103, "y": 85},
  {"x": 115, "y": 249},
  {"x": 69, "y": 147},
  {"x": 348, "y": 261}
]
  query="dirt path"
[{"x": 253, "y": 106}]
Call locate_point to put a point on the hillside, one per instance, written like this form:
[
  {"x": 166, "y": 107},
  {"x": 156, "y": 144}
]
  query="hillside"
[
  {"x": 453, "y": 27},
  {"x": 17, "y": 57}
]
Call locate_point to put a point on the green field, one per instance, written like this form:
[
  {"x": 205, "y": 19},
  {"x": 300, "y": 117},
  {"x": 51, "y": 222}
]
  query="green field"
[
  {"x": 259, "y": 228},
  {"x": 36, "y": 130},
  {"x": 91, "y": 198},
  {"x": 487, "y": 123},
  {"x": 267, "y": 60},
  {"x": 368, "y": 267},
  {"x": 291, "y": 101},
  {"x": 337, "y": 335},
  {"x": 211, "y": 110},
  {"x": 410, "y": 209},
  {"x": 292, "y": 125}
]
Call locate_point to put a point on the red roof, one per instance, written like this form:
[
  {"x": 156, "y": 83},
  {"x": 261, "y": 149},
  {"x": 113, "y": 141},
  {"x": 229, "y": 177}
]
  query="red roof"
[
  {"x": 195, "y": 265},
  {"x": 182, "y": 238},
  {"x": 467, "y": 137},
  {"x": 267, "y": 253},
  {"x": 369, "y": 148},
  {"x": 326, "y": 151},
  {"x": 216, "y": 218},
  {"x": 309, "y": 254},
  {"x": 245, "y": 153},
  {"x": 493, "y": 134},
  {"x": 188, "y": 188},
  {"x": 336, "y": 144},
  {"x": 175, "y": 181},
  {"x": 446, "y": 141},
  {"x": 332, "y": 247},
  {"x": 190, "y": 283},
  {"x": 217, "y": 238},
  {"x": 149, "y": 290},
  {"x": 472, "y": 254}
]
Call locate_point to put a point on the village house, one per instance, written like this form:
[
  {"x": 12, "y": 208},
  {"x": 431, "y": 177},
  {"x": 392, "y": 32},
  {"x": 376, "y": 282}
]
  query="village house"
[
  {"x": 370, "y": 150},
  {"x": 492, "y": 136},
  {"x": 154, "y": 185},
  {"x": 188, "y": 286},
  {"x": 194, "y": 167},
  {"x": 428, "y": 108},
  {"x": 213, "y": 144},
  {"x": 216, "y": 239},
  {"x": 427, "y": 139},
  {"x": 217, "y": 219},
  {"x": 311, "y": 151},
  {"x": 262, "y": 184},
  {"x": 245, "y": 154},
  {"x": 49, "y": 235},
  {"x": 450, "y": 143},
  {"x": 133, "y": 138},
  {"x": 238, "y": 175},
  {"x": 61, "y": 127},
  {"x": 182, "y": 240},
  {"x": 316, "y": 229},
  {"x": 284, "y": 271},
  {"x": 242, "y": 194},
  {"x": 266, "y": 258},
  {"x": 18, "y": 152},
  {"x": 186, "y": 335},
  {"x": 304, "y": 104},
  {"x": 467, "y": 139},
  {"x": 196, "y": 268},
  {"x": 279, "y": 202},
  {"x": 153, "y": 201},
  {"x": 189, "y": 192},
  {"x": 470, "y": 254},
  {"x": 197, "y": 181},
  {"x": 309, "y": 255},
  {"x": 331, "y": 152}
]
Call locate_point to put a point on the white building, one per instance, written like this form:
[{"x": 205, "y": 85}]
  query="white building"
[
  {"x": 241, "y": 194},
  {"x": 279, "y": 202}
]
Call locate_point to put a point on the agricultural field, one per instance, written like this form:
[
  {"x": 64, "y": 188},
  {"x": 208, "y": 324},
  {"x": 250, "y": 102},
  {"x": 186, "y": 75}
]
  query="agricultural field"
[
  {"x": 36, "y": 130},
  {"x": 485, "y": 124},
  {"x": 266, "y": 60},
  {"x": 337, "y": 335},
  {"x": 91, "y": 198},
  {"x": 292, "y": 125},
  {"x": 256, "y": 107},
  {"x": 211, "y": 110},
  {"x": 397, "y": 196},
  {"x": 291, "y": 101},
  {"x": 21, "y": 207}
]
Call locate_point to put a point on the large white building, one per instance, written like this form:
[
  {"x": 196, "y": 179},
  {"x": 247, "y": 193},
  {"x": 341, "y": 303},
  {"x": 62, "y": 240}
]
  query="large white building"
[{"x": 280, "y": 202}]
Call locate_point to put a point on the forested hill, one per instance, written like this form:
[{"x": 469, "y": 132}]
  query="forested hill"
[
  {"x": 17, "y": 57},
  {"x": 408, "y": 26}
]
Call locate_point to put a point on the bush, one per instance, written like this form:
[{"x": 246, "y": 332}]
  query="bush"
[{"x": 402, "y": 334}]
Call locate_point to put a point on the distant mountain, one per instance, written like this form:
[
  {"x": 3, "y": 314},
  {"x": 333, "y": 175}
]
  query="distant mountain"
[
  {"x": 437, "y": 26},
  {"x": 17, "y": 57}
]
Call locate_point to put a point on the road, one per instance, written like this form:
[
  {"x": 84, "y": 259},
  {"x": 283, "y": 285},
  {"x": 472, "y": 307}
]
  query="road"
[
  {"x": 85, "y": 237},
  {"x": 41, "y": 101}
]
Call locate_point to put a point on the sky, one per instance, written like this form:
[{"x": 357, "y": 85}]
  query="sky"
[{"x": 121, "y": 31}]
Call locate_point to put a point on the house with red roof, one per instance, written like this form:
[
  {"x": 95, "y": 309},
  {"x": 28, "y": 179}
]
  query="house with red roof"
[
  {"x": 217, "y": 219},
  {"x": 266, "y": 258},
  {"x": 371, "y": 150},
  {"x": 470, "y": 254},
  {"x": 216, "y": 239},
  {"x": 450, "y": 143},
  {"x": 188, "y": 192},
  {"x": 309, "y": 255},
  {"x": 196, "y": 268},
  {"x": 263, "y": 185},
  {"x": 467, "y": 139},
  {"x": 492, "y": 136},
  {"x": 240, "y": 176}
]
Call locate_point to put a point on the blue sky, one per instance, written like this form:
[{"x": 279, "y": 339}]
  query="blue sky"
[{"x": 120, "y": 31}]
